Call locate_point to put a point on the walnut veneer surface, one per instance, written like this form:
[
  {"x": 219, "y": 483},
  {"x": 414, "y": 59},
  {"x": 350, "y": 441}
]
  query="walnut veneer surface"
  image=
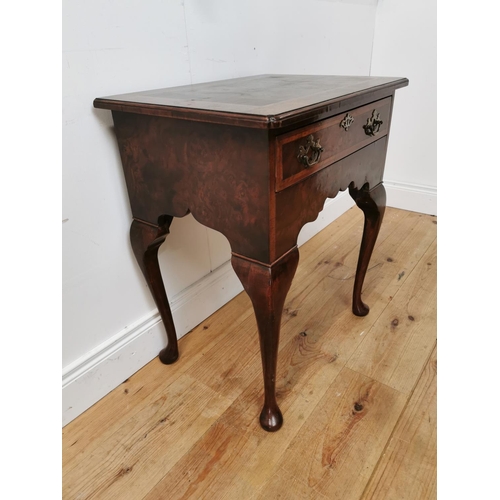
[{"x": 254, "y": 158}]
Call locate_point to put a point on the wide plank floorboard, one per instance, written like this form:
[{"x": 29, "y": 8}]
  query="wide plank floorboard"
[{"x": 407, "y": 469}]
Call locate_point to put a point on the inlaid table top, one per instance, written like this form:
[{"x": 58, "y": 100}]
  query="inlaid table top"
[{"x": 262, "y": 99}]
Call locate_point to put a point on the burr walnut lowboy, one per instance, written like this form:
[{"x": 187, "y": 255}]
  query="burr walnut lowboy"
[{"x": 254, "y": 158}]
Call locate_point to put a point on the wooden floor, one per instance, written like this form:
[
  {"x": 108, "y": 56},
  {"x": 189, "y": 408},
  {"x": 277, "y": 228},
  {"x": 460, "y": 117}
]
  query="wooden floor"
[{"x": 358, "y": 395}]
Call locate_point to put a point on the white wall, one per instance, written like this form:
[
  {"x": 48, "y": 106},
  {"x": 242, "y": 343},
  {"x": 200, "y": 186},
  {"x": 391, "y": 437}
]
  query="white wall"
[
  {"x": 405, "y": 45},
  {"x": 110, "y": 324}
]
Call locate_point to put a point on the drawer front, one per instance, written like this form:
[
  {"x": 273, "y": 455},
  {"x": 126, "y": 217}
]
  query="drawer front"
[{"x": 303, "y": 152}]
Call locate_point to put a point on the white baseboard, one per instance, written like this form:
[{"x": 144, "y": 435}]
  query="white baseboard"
[
  {"x": 413, "y": 197},
  {"x": 99, "y": 371}
]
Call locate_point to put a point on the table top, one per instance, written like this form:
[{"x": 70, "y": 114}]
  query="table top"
[{"x": 260, "y": 98}]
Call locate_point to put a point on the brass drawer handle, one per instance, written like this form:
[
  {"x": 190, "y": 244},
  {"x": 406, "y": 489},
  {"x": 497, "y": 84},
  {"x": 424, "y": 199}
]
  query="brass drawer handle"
[
  {"x": 316, "y": 150},
  {"x": 373, "y": 123}
]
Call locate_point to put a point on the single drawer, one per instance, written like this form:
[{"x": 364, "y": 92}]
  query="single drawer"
[{"x": 303, "y": 152}]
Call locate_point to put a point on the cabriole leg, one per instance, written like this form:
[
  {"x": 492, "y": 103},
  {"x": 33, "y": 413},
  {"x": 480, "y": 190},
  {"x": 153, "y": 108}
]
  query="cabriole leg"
[
  {"x": 267, "y": 287},
  {"x": 146, "y": 239},
  {"x": 372, "y": 203}
]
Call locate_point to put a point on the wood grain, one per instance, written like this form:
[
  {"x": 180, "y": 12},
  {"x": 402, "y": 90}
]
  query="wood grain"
[
  {"x": 190, "y": 430},
  {"x": 87, "y": 432},
  {"x": 285, "y": 486},
  {"x": 307, "y": 366},
  {"x": 148, "y": 444},
  {"x": 337, "y": 451},
  {"x": 397, "y": 345},
  {"x": 407, "y": 469},
  {"x": 262, "y": 101}
]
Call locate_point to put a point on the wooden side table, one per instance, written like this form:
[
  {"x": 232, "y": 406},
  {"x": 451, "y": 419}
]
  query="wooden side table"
[{"x": 254, "y": 158}]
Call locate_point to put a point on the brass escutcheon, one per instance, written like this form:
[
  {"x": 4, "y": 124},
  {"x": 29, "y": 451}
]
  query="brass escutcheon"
[{"x": 346, "y": 122}]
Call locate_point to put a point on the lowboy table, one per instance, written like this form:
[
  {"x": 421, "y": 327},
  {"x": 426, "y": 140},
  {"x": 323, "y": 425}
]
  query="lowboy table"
[{"x": 254, "y": 158}]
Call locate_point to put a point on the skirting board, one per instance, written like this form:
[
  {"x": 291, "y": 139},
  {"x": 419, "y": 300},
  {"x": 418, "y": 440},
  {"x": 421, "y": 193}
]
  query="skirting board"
[
  {"x": 99, "y": 371},
  {"x": 412, "y": 197}
]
